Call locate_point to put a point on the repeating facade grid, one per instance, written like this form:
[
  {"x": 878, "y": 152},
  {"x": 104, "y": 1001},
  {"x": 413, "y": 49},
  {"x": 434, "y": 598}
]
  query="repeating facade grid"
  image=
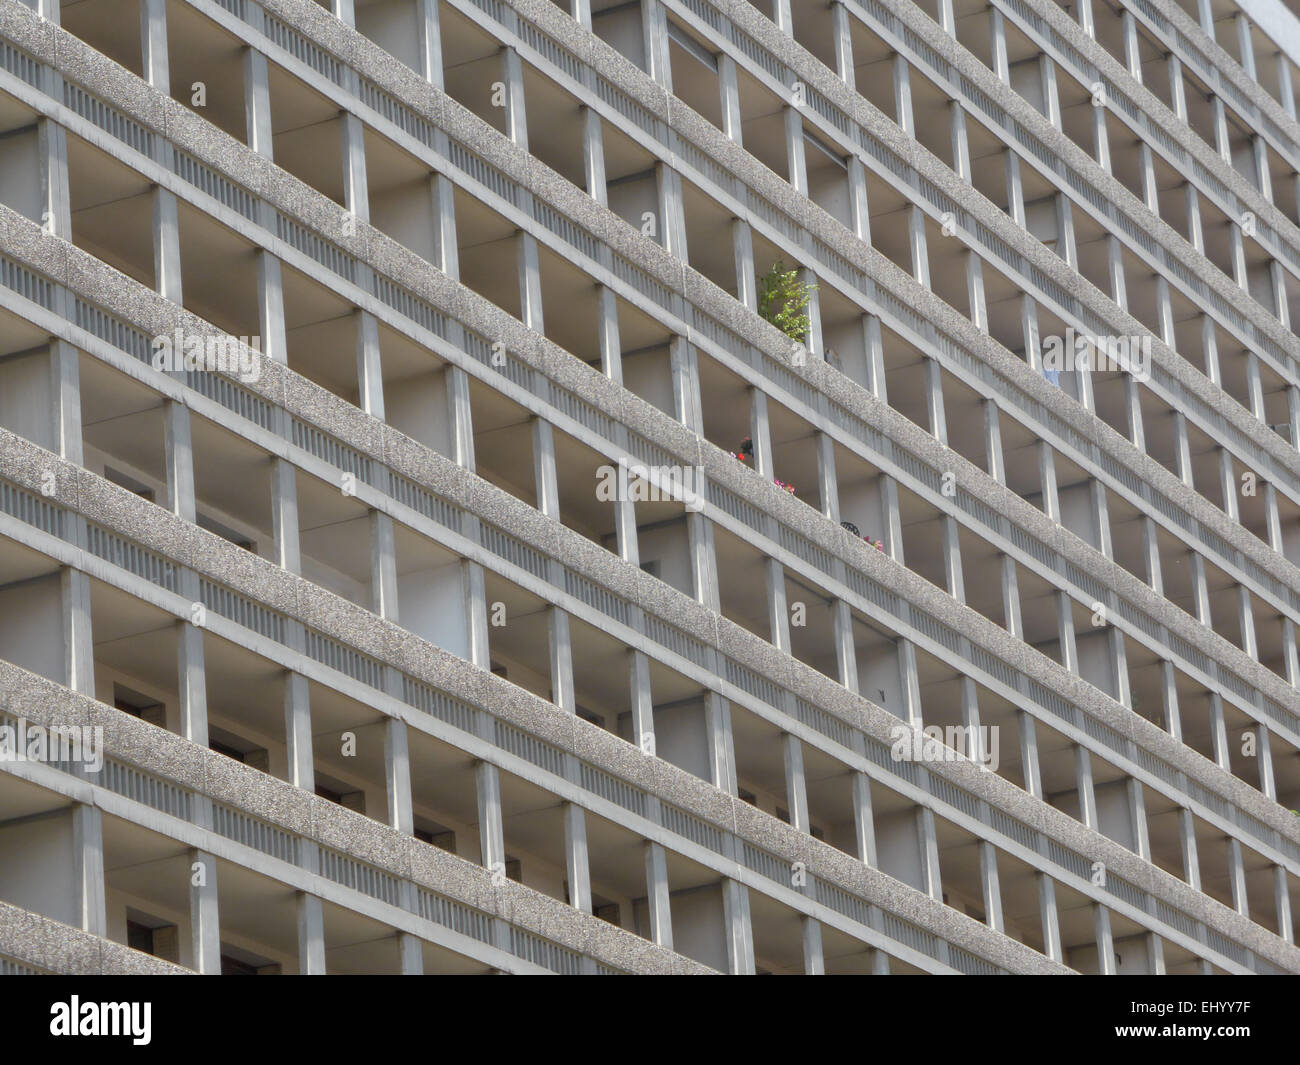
[{"x": 649, "y": 486}]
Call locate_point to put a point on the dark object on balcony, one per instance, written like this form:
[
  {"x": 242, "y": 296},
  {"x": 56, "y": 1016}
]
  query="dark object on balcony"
[{"x": 851, "y": 527}]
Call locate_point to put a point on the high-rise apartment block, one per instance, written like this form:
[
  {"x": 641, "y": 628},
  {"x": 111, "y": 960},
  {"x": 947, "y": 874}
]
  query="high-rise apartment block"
[{"x": 649, "y": 486}]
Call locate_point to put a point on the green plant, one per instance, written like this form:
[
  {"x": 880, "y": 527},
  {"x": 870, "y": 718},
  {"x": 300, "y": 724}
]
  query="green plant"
[{"x": 783, "y": 301}]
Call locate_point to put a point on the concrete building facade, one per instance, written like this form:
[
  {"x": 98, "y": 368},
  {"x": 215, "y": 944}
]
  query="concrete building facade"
[{"x": 423, "y": 549}]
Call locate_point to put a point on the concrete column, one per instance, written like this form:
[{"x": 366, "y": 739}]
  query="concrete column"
[
  {"x": 593, "y": 156},
  {"x": 476, "y": 623},
  {"x": 192, "y": 692},
  {"x": 284, "y": 515},
  {"x": 410, "y": 955},
  {"x": 611, "y": 349},
  {"x": 1029, "y": 754},
  {"x": 1187, "y": 837},
  {"x": 795, "y": 161},
  {"x": 446, "y": 252},
  {"x": 778, "y": 611},
  {"x": 893, "y": 518},
  {"x": 178, "y": 453},
  {"x": 88, "y": 861},
  {"x": 1015, "y": 188},
  {"x": 656, "y": 875},
  {"x": 846, "y": 657},
  {"x": 1105, "y": 941},
  {"x": 842, "y": 39},
  {"x": 916, "y": 241},
  {"x": 297, "y": 732},
  {"x": 530, "y": 281},
  {"x": 687, "y": 401},
  {"x": 397, "y": 776},
  {"x": 952, "y": 558},
  {"x": 934, "y": 400},
  {"x": 864, "y": 824},
  {"x": 370, "y": 370},
  {"x": 729, "y": 87},
  {"x": 1237, "y": 877},
  {"x": 1011, "y": 598},
  {"x": 875, "y": 383},
  {"x": 383, "y": 566},
  {"x": 704, "y": 564},
  {"x": 654, "y": 29},
  {"x": 814, "y": 960},
  {"x": 356, "y": 190},
  {"x": 166, "y": 246},
  {"x": 560, "y": 652},
  {"x": 205, "y": 928},
  {"x": 739, "y": 927},
  {"x": 65, "y": 412},
  {"x": 270, "y": 308},
  {"x": 1282, "y": 900},
  {"x": 1219, "y": 733},
  {"x": 979, "y": 314},
  {"x": 742, "y": 244},
  {"x": 759, "y": 433},
  {"x": 993, "y": 460},
  {"x": 925, "y": 828},
  {"x": 1264, "y": 752},
  {"x": 512, "y": 74},
  {"x": 668, "y": 184},
  {"x": 576, "y": 867},
  {"x": 998, "y": 46},
  {"x": 721, "y": 745},
  {"x": 56, "y": 199},
  {"x": 429, "y": 42},
  {"x": 643, "y": 719},
  {"x": 257, "y": 103},
  {"x": 544, "y": 471},
  {"x": 1065, "y": 626},
  {"x": 1051, "y": 502},
  {"x": 960, "y": 141},
  {"x": 990, "y": 886},
  {"x": 1051, "y": 923},
  {"x": 1086, "y": 791},
  {"x": 311, "y": 936},
  {"x": 796, "y": 789},
  {"x": 487, "y": 782},
  {"x": 858, "y": 210},
  {"x": 1169, "y": 699},
  {"x": 78, "y": 642}
]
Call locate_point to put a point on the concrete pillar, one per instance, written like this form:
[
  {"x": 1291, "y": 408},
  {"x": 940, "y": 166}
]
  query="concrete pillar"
[
  {"x": 297, "y": 732},
  {"x": 397, "y": 776},
  {"x": 512, "y": 75},
  {"x": 560, "y": 653},
  {"x": 492, "y": 845},
  {"x": 864, "y": 824},
  {"x": 739, "y": 927},
  {"x": 656, "y": 875},
  {"x": 796, "y": 789},
  {"x": 593, "y": 156},
  {"x": 1187, "y": 838},
  {"x": 576, "y": 867},
  {"x": 78, "y": 642},
  {"x": 284, "y": 515},
  {"x": 205, "y": 928},
  {"x": 1105, "y": 941},
  {"x": 257, "y": 103},
  {"x": 721, "y": 745},
  {"x": 544, "y": 470},
  {"x": 88, "y": 861},
  {"x": 1029, "y": 754},
  {"x": 311, "y": 936},
  {"x": 814, "y": 960},
  {"x": 1048, "y": 914},
  {"x": 191, "y": 683},
  {"x": 990, "y": 886}
]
